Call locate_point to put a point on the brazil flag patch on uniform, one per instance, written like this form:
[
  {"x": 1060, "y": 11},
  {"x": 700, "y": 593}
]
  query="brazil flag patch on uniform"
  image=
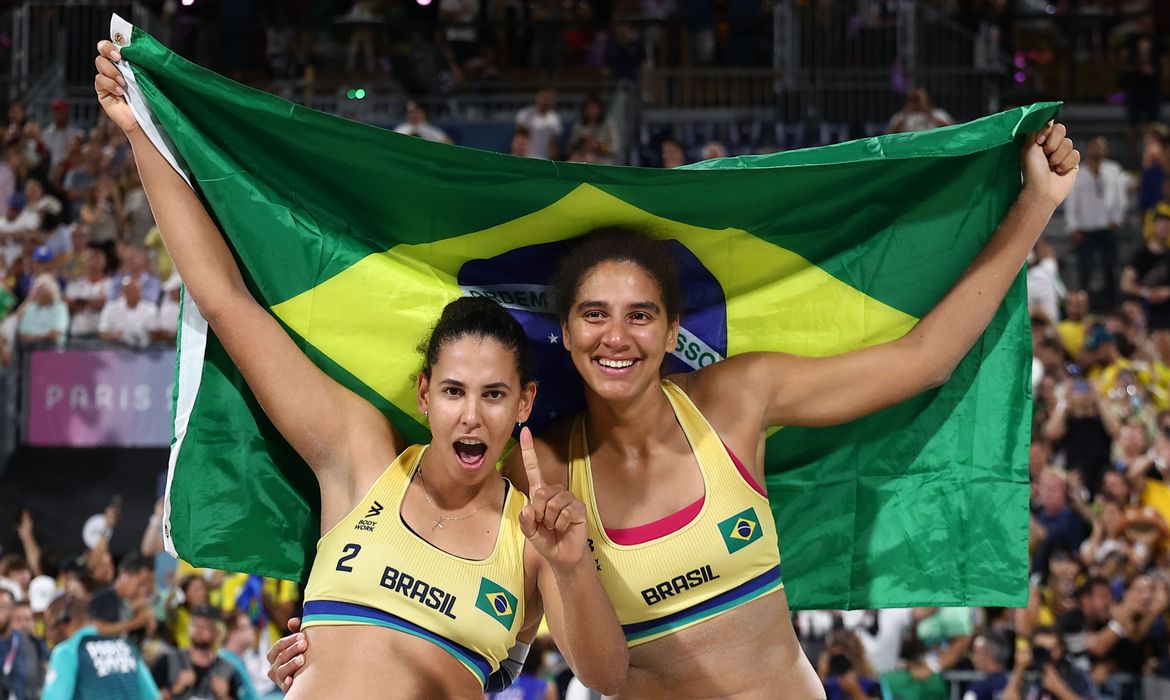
[
  {"x": 499, "y": 604},
  {"x": 740, "y": 530}
]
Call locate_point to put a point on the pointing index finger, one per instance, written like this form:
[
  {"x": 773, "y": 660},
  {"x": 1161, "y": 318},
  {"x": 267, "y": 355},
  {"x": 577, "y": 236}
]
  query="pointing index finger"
[{"x": 531, "y": 464}]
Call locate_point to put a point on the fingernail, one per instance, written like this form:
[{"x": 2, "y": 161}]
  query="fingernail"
[
  {"x": 119, "y": 91},
  {"x": 1041, "y": 139},
  {"x": 301, "y": 645},
  {"x": 300, "y": 637},
  {"x": 116, "y": 55},
  {"x": 300, "y": 660}
]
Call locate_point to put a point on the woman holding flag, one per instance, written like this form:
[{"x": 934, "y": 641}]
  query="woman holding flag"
[
  {"x": 672, "y": 472},
  {"x": 435, "y": 592}
]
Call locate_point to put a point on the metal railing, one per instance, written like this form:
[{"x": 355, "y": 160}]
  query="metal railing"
[{"x": 52, "y": 44}]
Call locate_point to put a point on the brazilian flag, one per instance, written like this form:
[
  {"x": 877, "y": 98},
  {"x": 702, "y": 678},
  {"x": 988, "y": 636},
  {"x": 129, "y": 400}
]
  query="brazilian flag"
[{"x": 355, "y": 238}]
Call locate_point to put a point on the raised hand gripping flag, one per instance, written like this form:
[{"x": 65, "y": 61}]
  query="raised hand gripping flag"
[{"x": 355, "y": 238}]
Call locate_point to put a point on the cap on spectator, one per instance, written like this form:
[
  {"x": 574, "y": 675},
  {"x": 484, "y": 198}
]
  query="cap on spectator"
[
  {"x": 40, "y": 593},
  {"x": 206, "y": 611},
  {"x": 59, "y": 103},
  {"x": 43, "y": 253},
  {"x": 1098, "y": 336},
  {"x": 16, "y": 201}
]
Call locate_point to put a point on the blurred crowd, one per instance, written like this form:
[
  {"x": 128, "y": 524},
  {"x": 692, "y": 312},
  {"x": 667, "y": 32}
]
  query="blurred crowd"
[{"x": 80, "y": 258}]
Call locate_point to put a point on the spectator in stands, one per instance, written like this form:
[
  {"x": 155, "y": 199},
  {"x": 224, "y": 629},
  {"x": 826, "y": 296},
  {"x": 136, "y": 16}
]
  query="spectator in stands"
[
  {"x": 918, "y": 114},
  {"x": 1056, "y": 677},
  {"x": 137, "y": 218},
  {"x": 845, "y": 669},
  {"x": 521, "y": 141},
  {"x": 129, "y": 319},
  {"x": 17, "y": 229},
  {"x": 914, "y": 679},
  {"x": 56, "y": 136},
  {"x": 673, "y": 154},
  {"x": 1045, "y": 288},
  {"x": 1133, "y": 621},
  {"x": 18, "y": 655},
  {"x": 44, "y": 318},
  {"x": 625, "y": 56},
  {"x": 1093, "y": 212},
  {"x": 1071, "y": 330},
  {"x": 544, "y": 126},
  {"x": 88, "y": 664},
  {"x": 946, "y": 632},
  {"x": 593, "y": 134},
  {"x": 124, "y": 608},
  {"x": 70, "y": 160},
  {"x": 990, "y": 655},
  {"x": 460, "y": 18},
  {"x": 101, "y": 211},
  {"x": 1155, "y": 165},
  {"x": 713, "y": 149},
  {"x": 195, "y": 593},
  {"x": 1086, "y": 630},
  {"x": 239, "y": 643},
  {"x": 1142, "y": 66},
  {"x": 166, "y": 323},
  {"x": 81, "y": 178},
  {"x": 24, "y": 620},
  {"x": 416, "y": 124},
  {"x": 87, "y": 295},
  {"x": 199, "y": 671},
  {"x": 15, "y": 575},
  {"x": 1062, "y": 525},
  {"x": 1147, "y": 277},
  {"x": 46, "y": 206},
  {"x": 134, "y": 265}
]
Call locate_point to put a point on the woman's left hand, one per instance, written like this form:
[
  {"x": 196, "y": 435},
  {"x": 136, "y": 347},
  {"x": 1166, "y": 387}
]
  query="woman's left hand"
[
  {"x": 554, "y": 519},
  {"x": 1050, "y": 163}
]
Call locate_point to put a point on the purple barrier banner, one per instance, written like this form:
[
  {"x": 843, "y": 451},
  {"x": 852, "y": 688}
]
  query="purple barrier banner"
[{"x": 99, "y": 398}]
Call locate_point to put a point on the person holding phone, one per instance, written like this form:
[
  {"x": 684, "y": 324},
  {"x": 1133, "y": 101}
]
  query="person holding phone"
[{"x": 1048, "y": 672}]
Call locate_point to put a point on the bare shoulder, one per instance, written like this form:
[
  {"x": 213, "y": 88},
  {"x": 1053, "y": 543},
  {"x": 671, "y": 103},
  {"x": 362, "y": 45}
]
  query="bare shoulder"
[
  {"x": 736, "y": 386},
  {"x": 552, "y": 450}
]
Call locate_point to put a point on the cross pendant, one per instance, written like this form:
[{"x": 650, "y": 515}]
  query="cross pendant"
[{"x": 438, "y": 525}]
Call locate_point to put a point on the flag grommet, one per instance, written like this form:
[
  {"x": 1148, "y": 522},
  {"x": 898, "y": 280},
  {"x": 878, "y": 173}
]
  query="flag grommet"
[{"x": 119, "y": 39}]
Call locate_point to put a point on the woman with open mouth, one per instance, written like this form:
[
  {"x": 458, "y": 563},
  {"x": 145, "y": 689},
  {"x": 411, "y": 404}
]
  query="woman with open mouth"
[
  {"x": 671, "y": 470},
  {"x": 429, "y": 570}
]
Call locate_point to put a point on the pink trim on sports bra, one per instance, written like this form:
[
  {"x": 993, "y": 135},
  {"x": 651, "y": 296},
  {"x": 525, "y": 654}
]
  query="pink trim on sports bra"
[
  {"x": 744, "y": 472},
  {"x": 641, "y": 534}
]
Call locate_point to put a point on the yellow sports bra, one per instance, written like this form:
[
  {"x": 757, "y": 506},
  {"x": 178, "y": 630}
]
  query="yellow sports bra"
[
  {"x": 371, "y": 569},
  {"x": 726, "y": 555}
]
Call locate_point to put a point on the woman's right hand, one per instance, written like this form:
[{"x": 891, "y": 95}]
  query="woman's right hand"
[
  {"x": 110, "y": 87},
  {"x": 287, "y": 656}
]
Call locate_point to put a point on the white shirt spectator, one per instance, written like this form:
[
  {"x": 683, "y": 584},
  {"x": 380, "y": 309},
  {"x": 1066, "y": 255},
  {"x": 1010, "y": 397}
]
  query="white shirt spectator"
[
  {"x": 12, "y": 234},
  {"x": 132, "y": 326},
  {"x": 1096, "y": 202},
  {"x": 56, "y": 139},
  {"x": 1045, "y": 290},
  {"x": 542, "y": 128},
  {"x": 425, "y": 131},
  {"x": 85, "y": 321},
  {"x": 882, "y": 641}
]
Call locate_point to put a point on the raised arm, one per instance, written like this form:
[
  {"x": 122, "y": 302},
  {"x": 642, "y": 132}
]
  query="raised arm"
[
  {"x": 794, "y": 390},
  {"x": 319, "y": 417}
]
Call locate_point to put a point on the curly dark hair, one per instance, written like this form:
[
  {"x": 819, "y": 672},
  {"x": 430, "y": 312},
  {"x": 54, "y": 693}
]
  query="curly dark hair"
[{"x": 617, "y": 244}]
